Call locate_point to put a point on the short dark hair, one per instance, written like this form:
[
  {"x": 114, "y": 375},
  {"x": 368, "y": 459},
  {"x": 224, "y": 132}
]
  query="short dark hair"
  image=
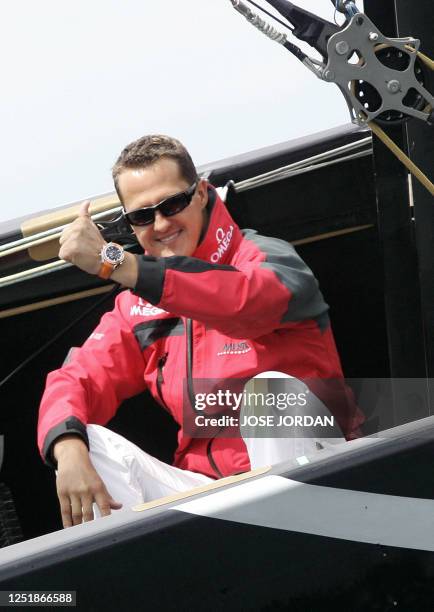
[{"x": 150, "y": 149}]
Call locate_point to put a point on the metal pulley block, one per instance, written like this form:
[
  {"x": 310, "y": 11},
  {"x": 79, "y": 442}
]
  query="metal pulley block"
[{"x": 381, "y": 78}]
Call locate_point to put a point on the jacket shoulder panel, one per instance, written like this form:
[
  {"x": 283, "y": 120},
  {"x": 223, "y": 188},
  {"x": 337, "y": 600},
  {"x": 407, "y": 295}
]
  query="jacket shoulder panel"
[{"x": 280, "y": 257}]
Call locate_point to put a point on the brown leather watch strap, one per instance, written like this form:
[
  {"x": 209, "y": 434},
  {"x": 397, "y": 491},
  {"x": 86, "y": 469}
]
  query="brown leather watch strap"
[{"x": 106, "y": 270}]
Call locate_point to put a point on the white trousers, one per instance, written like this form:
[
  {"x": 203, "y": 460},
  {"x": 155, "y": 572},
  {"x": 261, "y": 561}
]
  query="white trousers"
[
  {"x": 131, "y": 475},
  {"x": 289, "y": 443}
]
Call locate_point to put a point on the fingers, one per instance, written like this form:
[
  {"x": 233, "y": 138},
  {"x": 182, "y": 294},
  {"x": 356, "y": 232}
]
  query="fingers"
[
  {"x": 103, "y": 502},
  {"x": 65, "y": 510},
  {"x": 106, "y": 503},
  {"x": 81, "y": 242},
  {"x": 87, "y": 509},
  {"x": 68, "y": 231},
  {"x": 114, "y": 505},
  {"x": 77, "y": 509},
  {"x": 79, "y": 485}
]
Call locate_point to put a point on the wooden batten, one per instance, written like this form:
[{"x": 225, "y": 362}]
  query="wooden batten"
[
  {"x": 49, "y": 248},
  {"x": 185, "y": 495},
  {"x": 64, "y": 299},
  {"x": 46, "y": 251}
]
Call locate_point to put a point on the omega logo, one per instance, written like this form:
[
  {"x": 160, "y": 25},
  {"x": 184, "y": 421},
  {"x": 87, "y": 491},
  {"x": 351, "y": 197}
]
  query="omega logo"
[{"x": 223, "y": 240}]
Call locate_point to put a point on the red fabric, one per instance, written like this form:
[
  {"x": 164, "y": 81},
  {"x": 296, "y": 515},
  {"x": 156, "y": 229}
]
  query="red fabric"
[{"x": 237, "y": 333}]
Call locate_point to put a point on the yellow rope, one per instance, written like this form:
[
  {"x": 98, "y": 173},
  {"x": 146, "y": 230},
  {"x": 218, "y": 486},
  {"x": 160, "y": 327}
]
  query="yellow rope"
[
  {"x": 426, "y": 60},
  {"x": 388, "y": 142},
  {"x": 411, "y": 167}
]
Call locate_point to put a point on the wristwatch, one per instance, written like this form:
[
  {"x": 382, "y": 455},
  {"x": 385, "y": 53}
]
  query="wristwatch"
[{"x": 112, "y": 256}]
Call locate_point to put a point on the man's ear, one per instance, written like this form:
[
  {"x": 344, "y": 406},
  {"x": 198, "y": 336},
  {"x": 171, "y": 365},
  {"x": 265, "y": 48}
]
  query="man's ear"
[{"x": 202, "y": 191}]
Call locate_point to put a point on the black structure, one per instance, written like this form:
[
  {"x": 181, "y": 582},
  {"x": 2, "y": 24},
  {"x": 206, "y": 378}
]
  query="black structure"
[
  {"x": 406, "y": 233},
  {"x": 374, "y": 256}
]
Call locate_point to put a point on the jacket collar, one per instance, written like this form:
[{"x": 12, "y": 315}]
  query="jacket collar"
[{"x": 222, "y": 235}]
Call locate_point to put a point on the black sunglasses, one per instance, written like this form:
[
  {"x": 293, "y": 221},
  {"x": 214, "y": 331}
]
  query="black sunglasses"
[{"x": 168, "y": 207}]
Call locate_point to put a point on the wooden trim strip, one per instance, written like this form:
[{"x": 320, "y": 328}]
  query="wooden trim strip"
[
  {"x": 350, "y": 230},
  {"x": 67, "y": 215},
  {"x": 6, "y": 280},
  {"x": 218, "y": 484},
  {"x": 11, "y": 312},
  {"x": 31, "y": 245},
  {"x": 60, "y": 262},
  {"x": 52, "y": 234}
]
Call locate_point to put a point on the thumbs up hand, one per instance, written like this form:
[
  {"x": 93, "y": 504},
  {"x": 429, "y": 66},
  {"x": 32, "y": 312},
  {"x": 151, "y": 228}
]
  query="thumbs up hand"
[{"x": 81, "y": 242}]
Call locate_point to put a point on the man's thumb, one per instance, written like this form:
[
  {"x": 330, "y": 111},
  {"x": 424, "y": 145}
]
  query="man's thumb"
[{"x": 83, "y": 211}]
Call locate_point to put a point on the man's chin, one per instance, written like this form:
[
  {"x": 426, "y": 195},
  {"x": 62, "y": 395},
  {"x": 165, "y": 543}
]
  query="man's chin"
[
  {"x": 167, "y": 252},
  {"x": 179, "y": 248}
]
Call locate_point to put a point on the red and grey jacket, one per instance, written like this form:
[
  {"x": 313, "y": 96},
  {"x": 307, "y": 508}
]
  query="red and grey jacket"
[{"x": 241, "y": 305}]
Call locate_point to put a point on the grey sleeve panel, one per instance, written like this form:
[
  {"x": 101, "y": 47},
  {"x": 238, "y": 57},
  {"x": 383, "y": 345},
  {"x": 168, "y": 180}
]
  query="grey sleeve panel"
[
  {"x": 150, "y": 280},
  {"x": 71, "y": 426},
  {"x": 192, "y": 265},
  {"x": 307, "y": 301}
]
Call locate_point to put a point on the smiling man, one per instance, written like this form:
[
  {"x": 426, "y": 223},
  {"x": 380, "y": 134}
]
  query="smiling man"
[
  {"x": 206, "y": 301},
  {"x": 162, "y": 235}
]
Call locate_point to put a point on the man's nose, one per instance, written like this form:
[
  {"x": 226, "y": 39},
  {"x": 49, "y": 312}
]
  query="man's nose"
[{"x": 161, "y": 223}]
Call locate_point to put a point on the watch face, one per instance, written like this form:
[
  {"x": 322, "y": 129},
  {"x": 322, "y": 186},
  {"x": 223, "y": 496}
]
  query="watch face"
[{"x": 113, "y": 253}]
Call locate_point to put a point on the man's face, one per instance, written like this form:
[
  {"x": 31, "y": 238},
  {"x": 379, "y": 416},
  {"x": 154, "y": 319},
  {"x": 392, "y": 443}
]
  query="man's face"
[{"x": 176, "y": 235}]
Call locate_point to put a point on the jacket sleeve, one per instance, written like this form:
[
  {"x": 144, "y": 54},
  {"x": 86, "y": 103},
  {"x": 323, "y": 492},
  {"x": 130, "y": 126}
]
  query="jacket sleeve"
[
  {"x": 248, "y": 300},
  {"x": 107, "y": 369}
]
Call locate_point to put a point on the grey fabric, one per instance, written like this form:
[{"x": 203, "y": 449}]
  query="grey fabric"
[
  {"x": 307, "y": 301},
  {"x": 149, "y": 332},
  {"x": 150, "y": 280},
  {"x": 193, "y": 264},
  {"x": 70, "y": 426}
]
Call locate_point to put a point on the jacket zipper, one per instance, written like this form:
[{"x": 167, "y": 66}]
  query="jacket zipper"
[
  {"x": 211, "y": 458},
  {"x": 160, "y": 378},
  {"x": 191, "y": 393}
]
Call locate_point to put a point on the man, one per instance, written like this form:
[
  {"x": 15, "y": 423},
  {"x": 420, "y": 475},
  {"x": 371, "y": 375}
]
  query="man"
[{"x": 206, "y": 301}]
